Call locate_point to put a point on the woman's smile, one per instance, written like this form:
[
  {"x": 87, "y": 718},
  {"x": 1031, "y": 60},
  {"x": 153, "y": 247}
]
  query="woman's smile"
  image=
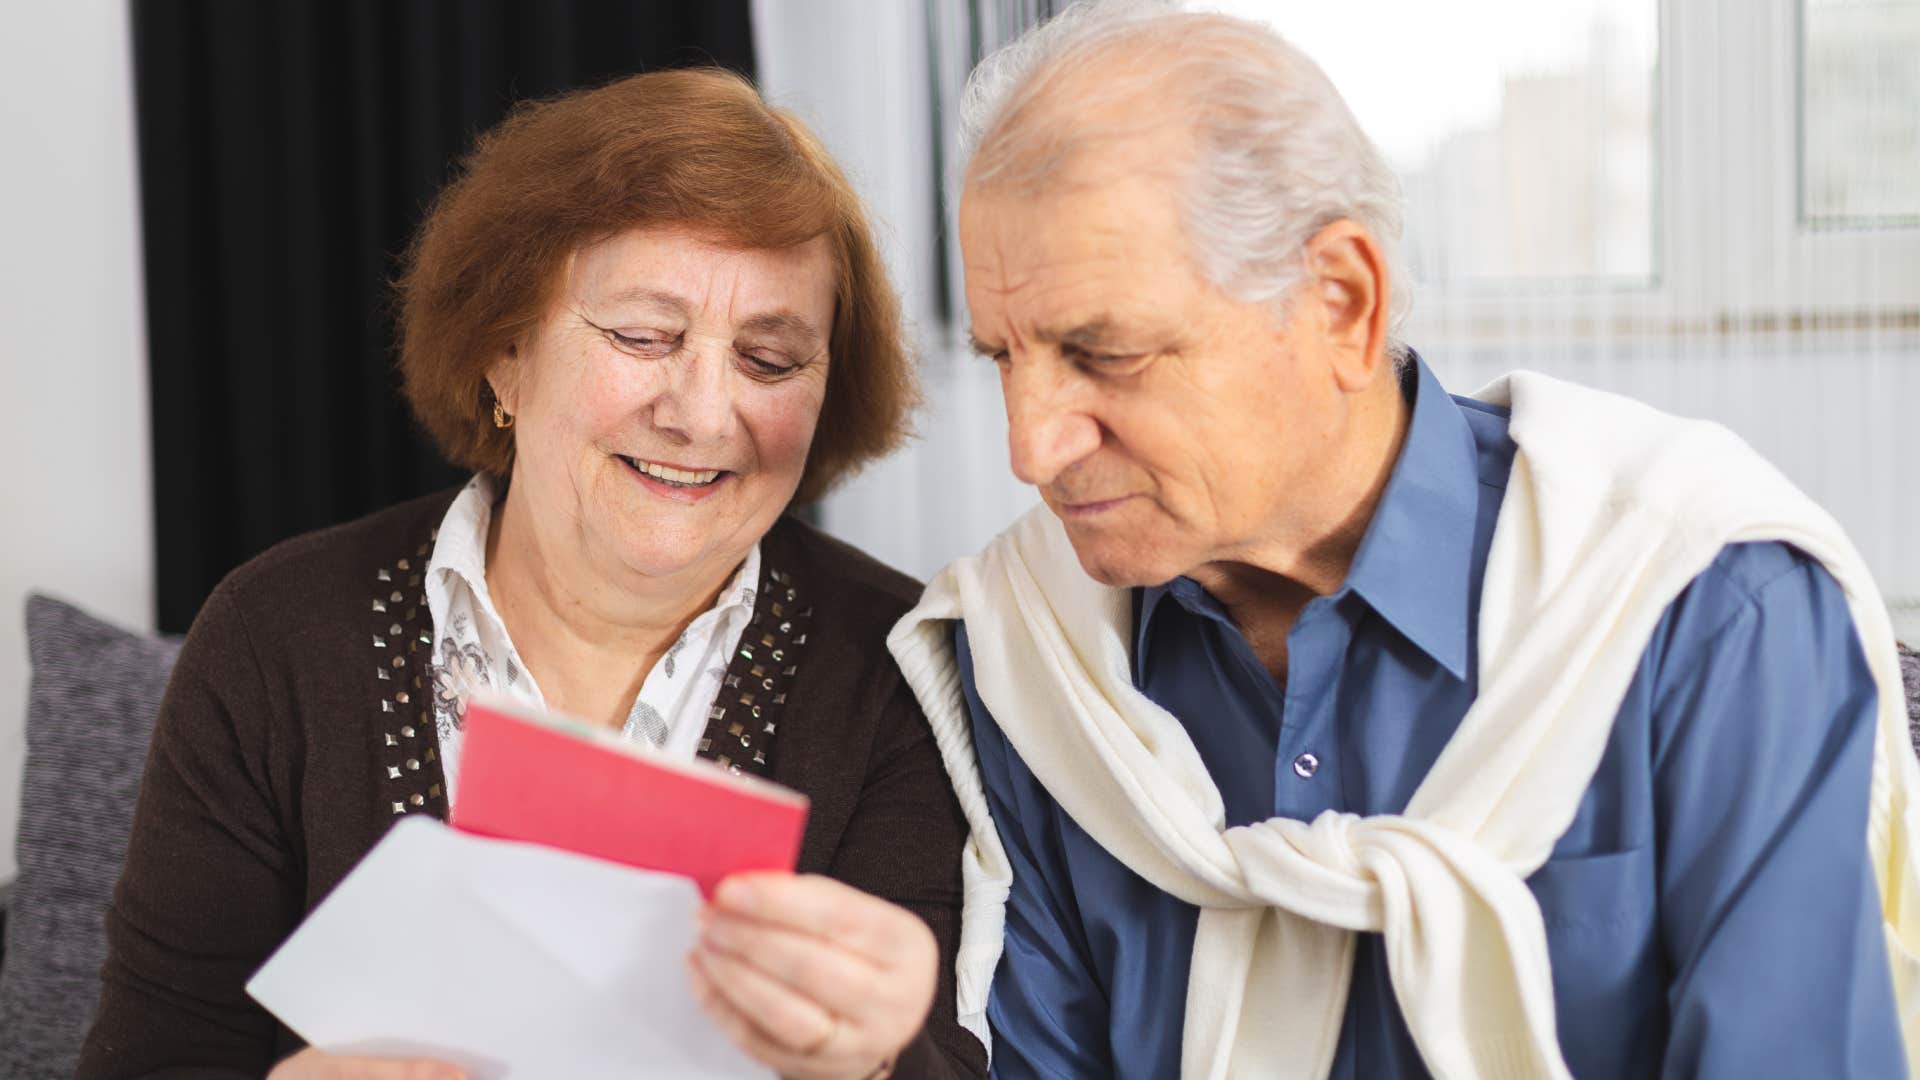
[{"x": 679, "y": 483}]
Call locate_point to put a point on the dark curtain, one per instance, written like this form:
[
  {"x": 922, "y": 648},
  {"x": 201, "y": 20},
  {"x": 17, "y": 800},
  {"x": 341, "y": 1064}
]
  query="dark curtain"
[{"x": 287, "y": 151}]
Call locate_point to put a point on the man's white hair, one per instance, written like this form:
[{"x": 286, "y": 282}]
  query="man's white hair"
[{"x": 1277, "y": 153}]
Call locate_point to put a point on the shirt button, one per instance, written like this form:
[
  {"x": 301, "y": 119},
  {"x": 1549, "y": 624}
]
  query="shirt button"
[{"x": 1305, "y": 766}]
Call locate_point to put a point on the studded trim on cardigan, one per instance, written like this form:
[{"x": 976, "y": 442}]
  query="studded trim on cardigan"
[{"x": 742, "y": 721}]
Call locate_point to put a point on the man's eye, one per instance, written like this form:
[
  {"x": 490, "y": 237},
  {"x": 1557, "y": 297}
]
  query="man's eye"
[{"x": 1105, "y": 360}]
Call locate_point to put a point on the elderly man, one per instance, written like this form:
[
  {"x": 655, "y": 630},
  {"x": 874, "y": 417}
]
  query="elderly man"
[{"x": 1324, "y": 724}]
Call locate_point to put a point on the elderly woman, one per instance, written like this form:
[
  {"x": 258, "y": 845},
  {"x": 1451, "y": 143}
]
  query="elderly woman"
[{"x": 650, "y": 317}]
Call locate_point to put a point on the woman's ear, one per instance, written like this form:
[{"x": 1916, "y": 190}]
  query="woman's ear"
[{"x": 503, "y": 379}]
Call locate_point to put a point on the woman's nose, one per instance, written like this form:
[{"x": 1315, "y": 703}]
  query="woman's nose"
[{"x": 696, "y": 398}]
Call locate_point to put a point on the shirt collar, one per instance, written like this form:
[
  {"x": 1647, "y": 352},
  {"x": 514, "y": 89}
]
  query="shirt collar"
[
  {"x": 460, "y": 548},
  {"x": 1414, "y": 563},
  {"x": 1416, "y": 559},
  {"x": 460, "y": 553}
]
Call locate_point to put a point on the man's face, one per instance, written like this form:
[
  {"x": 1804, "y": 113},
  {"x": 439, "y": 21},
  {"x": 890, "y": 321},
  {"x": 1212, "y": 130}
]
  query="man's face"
[{"x": 1168, "y": 425}]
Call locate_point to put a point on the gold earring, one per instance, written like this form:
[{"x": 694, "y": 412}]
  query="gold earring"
[{"x": 500, "y": 417}]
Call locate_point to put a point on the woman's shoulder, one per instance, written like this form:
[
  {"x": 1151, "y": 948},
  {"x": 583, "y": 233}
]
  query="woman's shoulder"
[{"x": 320, "y": 574}]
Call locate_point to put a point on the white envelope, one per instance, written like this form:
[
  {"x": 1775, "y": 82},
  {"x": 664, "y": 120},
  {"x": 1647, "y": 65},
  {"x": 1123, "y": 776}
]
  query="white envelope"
[{"x": 510, "y": 959}]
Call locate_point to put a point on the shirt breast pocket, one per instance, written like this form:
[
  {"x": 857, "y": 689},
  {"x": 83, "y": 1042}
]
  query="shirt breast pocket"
[
  {"x": 1602, "y": 918},
  {"x": 1592, "y": 892}
]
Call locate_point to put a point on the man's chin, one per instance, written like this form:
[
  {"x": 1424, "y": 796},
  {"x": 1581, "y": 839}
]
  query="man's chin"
[
  {"x": 1107, "y": 561},
  {"x": 1113, "y": 552}
]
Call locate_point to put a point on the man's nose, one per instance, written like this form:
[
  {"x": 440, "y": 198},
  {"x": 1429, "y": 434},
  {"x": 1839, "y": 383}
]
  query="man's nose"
[{"x": 1048, "y": 428}]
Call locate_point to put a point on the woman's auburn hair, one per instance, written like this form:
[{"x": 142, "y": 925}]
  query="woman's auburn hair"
[{"x": 693, "y": 148}]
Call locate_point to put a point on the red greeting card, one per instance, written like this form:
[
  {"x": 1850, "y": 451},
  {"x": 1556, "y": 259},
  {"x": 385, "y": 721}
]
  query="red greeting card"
[{"x": 552, "y": 781}]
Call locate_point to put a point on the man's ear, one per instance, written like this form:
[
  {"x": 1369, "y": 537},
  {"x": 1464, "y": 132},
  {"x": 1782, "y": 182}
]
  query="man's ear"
[{"x": 1352, "y": 292}]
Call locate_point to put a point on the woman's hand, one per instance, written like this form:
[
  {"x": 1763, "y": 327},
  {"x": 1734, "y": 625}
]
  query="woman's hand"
[
  {"x": 813, "y": 977},
  {"x": 311, "y": 1064}
]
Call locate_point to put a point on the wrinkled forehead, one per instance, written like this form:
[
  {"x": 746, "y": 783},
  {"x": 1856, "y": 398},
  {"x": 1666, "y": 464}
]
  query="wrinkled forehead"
[
  {"x": 703, "y": 269},
  {"x": 1065, "y": 184},
  {"x": 1086, "y": 222},
  {"x": 1076, "y": 268}
]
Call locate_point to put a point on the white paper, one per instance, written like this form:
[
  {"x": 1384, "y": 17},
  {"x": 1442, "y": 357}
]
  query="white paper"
[{"x": 510, "y": 959}]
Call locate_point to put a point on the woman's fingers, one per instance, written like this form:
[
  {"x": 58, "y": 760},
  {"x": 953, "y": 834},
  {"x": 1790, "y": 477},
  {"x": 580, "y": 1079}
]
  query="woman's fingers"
[
  {"x": 311, "y": 1064},
  {"x": 388, "y": 1069},
  {"x": 838, "y": 1057},
  {"x": 837, "y": 978},
  {"x": 825, "y": 908},
  {"x": 792, "y": 1019},
  {"x": 812, "y": 976}
]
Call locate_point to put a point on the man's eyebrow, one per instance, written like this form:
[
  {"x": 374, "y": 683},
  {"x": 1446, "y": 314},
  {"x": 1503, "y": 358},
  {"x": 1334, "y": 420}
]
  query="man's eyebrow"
[
  {"x": 1097, "y": 331},
  {"x": 1092, "y": 333}
]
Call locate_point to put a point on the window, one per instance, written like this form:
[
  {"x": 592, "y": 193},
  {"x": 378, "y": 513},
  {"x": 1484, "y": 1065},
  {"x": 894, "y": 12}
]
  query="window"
[
  {"x": 1860, "y": 113},
  {"x": 1709, "y": 205},
  {"x": 1524, "y": 133}
]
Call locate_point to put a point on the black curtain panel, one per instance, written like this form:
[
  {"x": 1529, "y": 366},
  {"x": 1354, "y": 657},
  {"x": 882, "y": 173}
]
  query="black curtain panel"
[{"x": 287, "y": 151}]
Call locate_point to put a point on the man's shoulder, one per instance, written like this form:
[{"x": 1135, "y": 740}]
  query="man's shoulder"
[
  {"x": 1757, "y": 598},
  {"x": 1761, "y": 575}
]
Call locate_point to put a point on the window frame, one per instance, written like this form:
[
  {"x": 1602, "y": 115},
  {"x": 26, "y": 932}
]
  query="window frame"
[{"x": 1753, "y": 263}]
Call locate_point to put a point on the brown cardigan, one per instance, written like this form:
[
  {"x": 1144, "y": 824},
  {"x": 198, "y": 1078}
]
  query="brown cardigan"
[{"x": 298, "y": 727}]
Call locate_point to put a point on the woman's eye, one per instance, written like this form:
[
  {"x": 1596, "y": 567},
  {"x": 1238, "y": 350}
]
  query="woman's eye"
[
  {"x": 643, "y": 342},
  {"x": 767, "y": 366}
]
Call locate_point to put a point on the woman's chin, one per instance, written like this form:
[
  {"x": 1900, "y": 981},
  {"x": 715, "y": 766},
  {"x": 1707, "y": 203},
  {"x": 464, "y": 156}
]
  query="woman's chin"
[
  {"x": 657, "y": 546},
  {"x": 663, "y": 557},
  {"x": 661, "y": 537}
]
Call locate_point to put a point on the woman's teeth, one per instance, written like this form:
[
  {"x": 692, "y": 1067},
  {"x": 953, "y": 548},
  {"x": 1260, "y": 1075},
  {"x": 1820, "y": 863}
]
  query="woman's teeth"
[{"x": 683, "y": 477}]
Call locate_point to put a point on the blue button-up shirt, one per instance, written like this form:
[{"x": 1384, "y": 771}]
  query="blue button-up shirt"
[{"x": 1711, "y": 911}]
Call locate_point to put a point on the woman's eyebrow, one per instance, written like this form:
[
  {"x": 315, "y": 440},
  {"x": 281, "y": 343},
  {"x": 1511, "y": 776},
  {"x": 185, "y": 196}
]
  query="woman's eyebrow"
[
  {"x": 641, "y": 294},
  {"x": 785, "y": 324}
]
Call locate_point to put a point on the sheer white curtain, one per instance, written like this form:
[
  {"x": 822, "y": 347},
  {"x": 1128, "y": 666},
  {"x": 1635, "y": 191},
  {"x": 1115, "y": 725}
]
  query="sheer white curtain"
[
  {"x": 878, "y": 82},
  {"x": 1710, "y": 205}
]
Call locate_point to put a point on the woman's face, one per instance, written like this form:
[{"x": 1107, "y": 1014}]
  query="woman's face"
[{"x": 664, "y": 407}]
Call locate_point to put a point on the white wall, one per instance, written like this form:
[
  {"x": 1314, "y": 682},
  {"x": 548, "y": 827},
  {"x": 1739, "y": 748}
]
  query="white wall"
[{"x": 76, "y": 487}]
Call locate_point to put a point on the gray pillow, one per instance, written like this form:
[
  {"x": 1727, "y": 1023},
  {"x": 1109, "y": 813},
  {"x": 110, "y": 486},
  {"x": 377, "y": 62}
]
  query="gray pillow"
[
  {"x": 96, "y": 691},
  {"x": 1910, "y": 673}
]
